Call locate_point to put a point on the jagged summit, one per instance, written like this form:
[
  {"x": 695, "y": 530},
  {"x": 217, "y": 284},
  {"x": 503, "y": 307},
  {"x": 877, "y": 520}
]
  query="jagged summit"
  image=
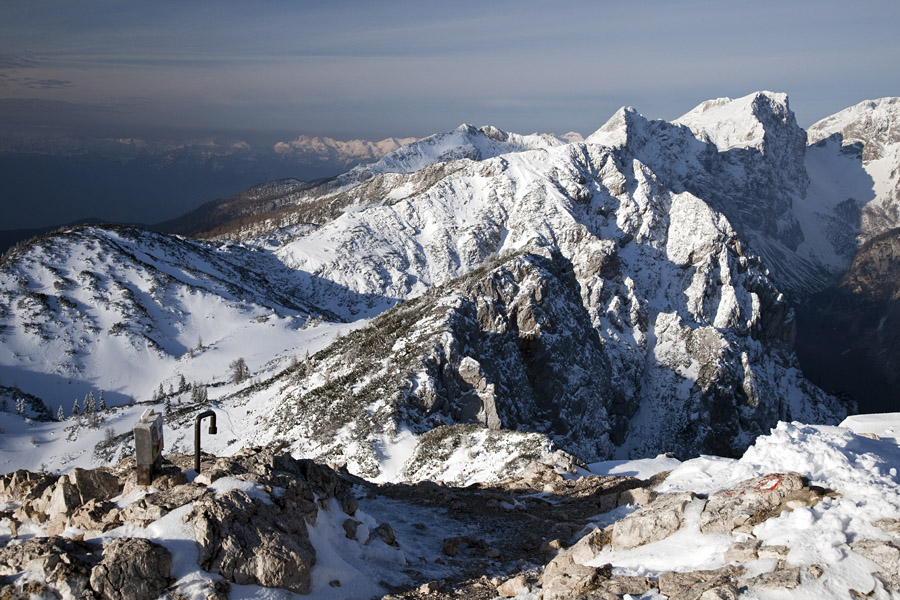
[
  {"x": 741, "y": 122},
  {"x": 873, "y": 123},
  {"x": 615, "y": 132}
]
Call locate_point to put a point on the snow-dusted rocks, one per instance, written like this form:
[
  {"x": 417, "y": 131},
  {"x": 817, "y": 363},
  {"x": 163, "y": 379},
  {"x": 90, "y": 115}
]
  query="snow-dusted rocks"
[
  {"x": 822, "y": 531},
  {"x": 709, "y": 528},
  {"x": 751, "y": 502},
  {"x": 263, "y": 519},
  {"x": 251, "y": 538},
  {"x": 132, "y": 569},
  {"x": 57, "y": 564},
  {"x": 658, "y": 520}
]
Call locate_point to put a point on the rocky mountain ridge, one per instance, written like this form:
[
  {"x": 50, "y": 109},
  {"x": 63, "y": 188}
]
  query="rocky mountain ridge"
[{"x": 581, "y": 291}]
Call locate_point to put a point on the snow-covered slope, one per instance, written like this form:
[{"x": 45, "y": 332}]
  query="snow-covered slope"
[
  {"x": 870, "y": 131},
  {"x": 692, "y": 346},
  {"x": 124, "y": 310}
]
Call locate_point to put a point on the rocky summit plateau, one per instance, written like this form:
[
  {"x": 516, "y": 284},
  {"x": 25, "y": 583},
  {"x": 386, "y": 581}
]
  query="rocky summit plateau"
[{"x": 485, "y": 363}]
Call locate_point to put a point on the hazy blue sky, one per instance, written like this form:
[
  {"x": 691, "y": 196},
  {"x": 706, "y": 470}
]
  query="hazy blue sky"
[{"x": 377, "y": 69}]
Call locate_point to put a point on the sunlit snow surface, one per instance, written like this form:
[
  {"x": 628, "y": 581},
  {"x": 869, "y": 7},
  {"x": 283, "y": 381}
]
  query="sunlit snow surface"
[{"x": 862, "y": 471}]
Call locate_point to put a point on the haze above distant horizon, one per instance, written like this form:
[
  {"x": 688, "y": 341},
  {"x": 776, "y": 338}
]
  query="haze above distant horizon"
[{"x": 374, "y": 70}]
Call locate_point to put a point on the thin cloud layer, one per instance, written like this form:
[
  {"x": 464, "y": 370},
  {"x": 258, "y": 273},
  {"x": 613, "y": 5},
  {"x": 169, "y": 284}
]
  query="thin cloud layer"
[{"x": 367, "y": 70}]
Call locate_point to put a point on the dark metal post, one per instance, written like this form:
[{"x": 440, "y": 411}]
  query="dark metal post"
[{"x": 212, "y": 431}]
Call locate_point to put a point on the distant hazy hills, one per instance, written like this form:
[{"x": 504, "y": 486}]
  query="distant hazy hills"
[{"x": 48, "y": 183}]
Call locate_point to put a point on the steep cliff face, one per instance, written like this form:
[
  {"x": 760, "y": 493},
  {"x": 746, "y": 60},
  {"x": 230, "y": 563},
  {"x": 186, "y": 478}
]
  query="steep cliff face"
[
  {"x": 846, "y": 340},
  {"x": 747, "y": 158},
  {"x": 512, "y": 346}
]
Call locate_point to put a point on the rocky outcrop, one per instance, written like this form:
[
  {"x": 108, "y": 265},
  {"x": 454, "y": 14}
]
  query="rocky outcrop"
[
  {"x": 53, "y": 500},
  {"x": 132, "y": 569},
  {"x": 753, "y": 501},
  {"x": 661, "y": 518},
  {"x": 734, "y": 510},
  {"x": 264, "y": 540},
  {"x": 250, "y": 515},
  {"x": 249, "y": 541},
  {"x": 62, "y": 563},
  {"x": 885, "y": 554}
]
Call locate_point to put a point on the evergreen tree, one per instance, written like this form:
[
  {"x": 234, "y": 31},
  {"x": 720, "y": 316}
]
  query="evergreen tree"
[
  {"x": 182, "y": 384},
  {"x": 76, "y": 410},
  {"x": 60, "y": 414},
  {"x": 90, "y": 403},
  {"x": 101, "y": 402},
  {"x": 20, "y": 406}
]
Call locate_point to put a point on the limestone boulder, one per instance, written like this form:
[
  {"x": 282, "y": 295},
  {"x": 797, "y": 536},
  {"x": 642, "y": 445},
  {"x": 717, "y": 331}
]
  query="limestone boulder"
[
  {"x": 248, "y": 541},
  {"x": 132, "y": 569},
  {"x": 65, "y": 564},
  {"x": 96, "y": 484},
  {"x": 885, "y": 554},
  {"x": 154, "y": 506},
  {"x": 755, "y": 500},
  {"x": 96, "y": 515},
  {"x": 658, "y": 520},
  {"x": 715, "y": 584}
]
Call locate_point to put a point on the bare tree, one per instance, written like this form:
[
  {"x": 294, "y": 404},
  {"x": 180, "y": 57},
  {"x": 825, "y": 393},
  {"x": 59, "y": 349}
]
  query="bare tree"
[
  {"x": 239, "y": 370},
  {"x": 199, "y": 394}
]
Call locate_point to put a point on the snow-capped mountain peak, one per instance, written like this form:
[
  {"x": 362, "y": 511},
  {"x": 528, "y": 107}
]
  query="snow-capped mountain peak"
[
  {"x": 615, "y": 132},
  {"x": 741, "y": 122},
  {"x": 466, "y": 141},
  {"x": 873, "y": 123}
]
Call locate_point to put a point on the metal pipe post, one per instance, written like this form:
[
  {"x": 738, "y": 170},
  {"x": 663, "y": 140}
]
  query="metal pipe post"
[{"x": 212, "y": 431}]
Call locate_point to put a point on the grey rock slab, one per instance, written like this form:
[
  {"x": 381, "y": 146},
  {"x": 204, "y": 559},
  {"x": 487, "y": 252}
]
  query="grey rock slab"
[
  {"x": 751, "y": 502},
  {"x": 132, "y": 569},
  {"x": 656, "y": 521}
]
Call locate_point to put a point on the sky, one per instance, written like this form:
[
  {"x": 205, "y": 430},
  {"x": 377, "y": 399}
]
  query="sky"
[{"x": 362, "y": 69}]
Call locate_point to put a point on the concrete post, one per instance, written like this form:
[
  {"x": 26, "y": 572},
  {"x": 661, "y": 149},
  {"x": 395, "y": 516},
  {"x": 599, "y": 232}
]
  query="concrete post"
[{"x": 148, "y": 445}]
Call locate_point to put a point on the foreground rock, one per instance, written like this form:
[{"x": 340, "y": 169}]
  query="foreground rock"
[
  {"x": 132, "y": 569},
  {"x": 249, "y": 512},
  {"x": 755, "y": 500},
  {"x": 735, "y": 510}
]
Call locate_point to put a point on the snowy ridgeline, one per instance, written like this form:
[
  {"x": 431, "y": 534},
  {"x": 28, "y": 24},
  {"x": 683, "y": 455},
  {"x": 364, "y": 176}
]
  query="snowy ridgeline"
[
  {"x": 662, "y": 251},
  {"x": 836, "y": 536}
]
